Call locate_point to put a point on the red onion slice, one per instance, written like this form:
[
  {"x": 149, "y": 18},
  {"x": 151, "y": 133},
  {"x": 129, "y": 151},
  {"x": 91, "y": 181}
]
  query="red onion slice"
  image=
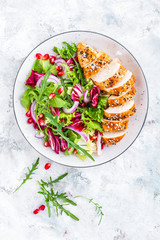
[
  {"x": 99, "y": 138},
  {"x": 78, "y": 92},
  {"x": 59, "y": 60},
  {"x": 32, "y": 108},
  {"x": 51, "y": 78},
  {"x": 54, "y": 110},
  {"x": 54, "y": 79},
  {"x": 86, "y": 99},
  {"x": 39, "y": 135},
  {"x": 83, "y": 135},
  {"x": 72, "y": 109}
]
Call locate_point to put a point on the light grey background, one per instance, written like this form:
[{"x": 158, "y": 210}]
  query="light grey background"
[{"x": 128, "y": 188}]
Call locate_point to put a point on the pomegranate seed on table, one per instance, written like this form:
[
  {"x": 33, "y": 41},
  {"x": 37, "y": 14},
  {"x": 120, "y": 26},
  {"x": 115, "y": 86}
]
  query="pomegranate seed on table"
[
  {"x": 93, "y": 138},
  {"x": 41, "y": 115},
  {"x": 36, "y": 211},
  {"x": 46, "y": 144},
  {"x": 58, "y": 68},
  {"x": 60, "y": 90},
  {"x": 45, "y": 57},
  {"x": 41, "y": 208},
  {"x": 41, "y": 122},
  {"x": 60, "y": 73},
  {"x": 52, "y": 95},
  {"x": 38, "y": 55},
  {"x": 47, "y": 166},
  {"x": 28, "y": 114},
  {"x": 30, "y": 120}
]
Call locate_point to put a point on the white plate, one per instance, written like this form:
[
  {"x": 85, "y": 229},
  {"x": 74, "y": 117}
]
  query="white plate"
[{"x": 114, "y": 49}]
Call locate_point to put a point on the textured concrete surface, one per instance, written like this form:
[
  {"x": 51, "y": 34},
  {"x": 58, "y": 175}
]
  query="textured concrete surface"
[{"x": 128, "y": 188}]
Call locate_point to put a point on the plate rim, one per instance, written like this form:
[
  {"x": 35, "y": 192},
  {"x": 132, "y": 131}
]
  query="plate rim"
[{"x": 86, "y": 31}]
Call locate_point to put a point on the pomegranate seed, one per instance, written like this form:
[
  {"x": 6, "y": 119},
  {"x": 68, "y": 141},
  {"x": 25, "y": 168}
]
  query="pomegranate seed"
[
  {"x": 58, "y": 68},
  {"x": 28, "y": 114},
  {"x": 60, "y": 90},
  {"x": 60, "y": 73},
  {"x": 52, "y": 95},
  {"x": 93, "y": 138},
  {"x": 83, "y": 104},
  {"x": 75, "y": 151},
  {"x": 38, "y": 55},
  {"x": 45, "y": 57},
  {"x": 30, "y": 120},
  {"x": 46, "y": 144},
  {"x": 47, "y": 166},
  {"x": 41, "y": 208},
  {"x": 52, "y": 60},
  {"x": 41, "y": 115},
  {"x": 52, "y": 57},
  {"x": 36, "y": 211},
  {"x": 41, "y": 122}
]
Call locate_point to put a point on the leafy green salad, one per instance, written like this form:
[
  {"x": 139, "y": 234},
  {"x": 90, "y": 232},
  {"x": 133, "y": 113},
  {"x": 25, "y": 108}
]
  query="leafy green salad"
[{"x": 65, "y": 109}]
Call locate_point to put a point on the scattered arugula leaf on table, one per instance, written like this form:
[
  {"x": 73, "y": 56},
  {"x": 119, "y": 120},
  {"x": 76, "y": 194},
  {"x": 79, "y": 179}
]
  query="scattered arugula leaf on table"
[
  {"x": 30, "y": 172},
  {"x": 58, "y": 200},
  {"x": 98, "y": 207}
]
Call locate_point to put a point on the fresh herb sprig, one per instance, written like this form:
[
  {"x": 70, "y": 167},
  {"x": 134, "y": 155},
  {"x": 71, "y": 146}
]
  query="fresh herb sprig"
[
  {"x": 30, "y": 172},
  {"x": 68, "y": 51},
  {"x": 98, "y": 207},
  {"x": 65, "y": 90},
  {"x": 58, "y": 129},
  {"x": 53, "y": 181},
  {"x": 57, "y": 200}
]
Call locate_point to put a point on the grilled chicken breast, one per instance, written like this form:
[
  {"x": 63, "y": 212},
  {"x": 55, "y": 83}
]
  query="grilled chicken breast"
[
  {"x": 120, "y": 112},
  {"x": 111, "y": 138},
  {"x": 109, "y": 75},
  {"x": 86, "y": 54},
  {"x": 114, "y": 80},
  {"x": 114, "y": 101},
  {"x": 113, "y": 125},
  {"x": 95, "y": 66}
]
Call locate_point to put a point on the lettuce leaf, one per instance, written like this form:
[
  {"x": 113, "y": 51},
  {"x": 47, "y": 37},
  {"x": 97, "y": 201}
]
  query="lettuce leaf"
[
  {"x": 58, "y": 102},
  {"x": 66, "y": 51},
  {"x": 67, "y": 117},
  {"x": 43, "y": 66},
  {"x": 28, "y": 97}
]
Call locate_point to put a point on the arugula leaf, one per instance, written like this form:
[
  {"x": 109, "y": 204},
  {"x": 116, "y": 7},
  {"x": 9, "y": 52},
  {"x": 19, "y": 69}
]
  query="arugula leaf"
[
  {"x": 71, "y": 74},
  {"x": 67, "y": 52},
  {"x": 97, "y": 206},
  {"x": 43, "y": 86},
  {"x": 51, "y": 196},
  {"x": 60, "y": 132},
  {"x": 30, "y": 172},
  {"x": 66, "y": 92},
  {"x": 57, "y": 102}
]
